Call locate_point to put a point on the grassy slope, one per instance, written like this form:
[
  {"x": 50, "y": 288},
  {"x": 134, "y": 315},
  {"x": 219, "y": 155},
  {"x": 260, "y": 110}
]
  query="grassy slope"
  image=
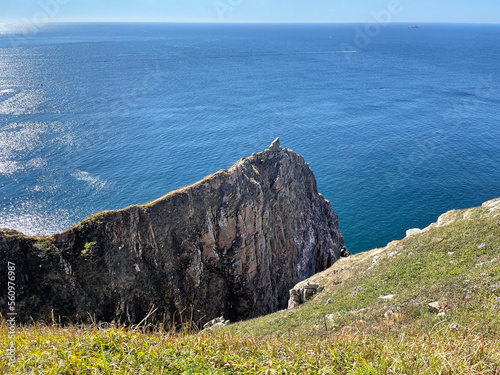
[{"x": 350, "y": 334}]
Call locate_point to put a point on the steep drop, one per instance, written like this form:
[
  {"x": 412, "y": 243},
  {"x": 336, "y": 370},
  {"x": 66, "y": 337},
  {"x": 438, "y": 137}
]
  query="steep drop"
[{"x": 232, "y": 244}]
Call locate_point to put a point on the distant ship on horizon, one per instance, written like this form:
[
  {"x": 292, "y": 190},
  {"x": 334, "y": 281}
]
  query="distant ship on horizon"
[{"x": 414, "y": 27}]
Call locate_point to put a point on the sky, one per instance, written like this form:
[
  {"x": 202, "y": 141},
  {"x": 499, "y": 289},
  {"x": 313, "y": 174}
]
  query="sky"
[{"x": 412, "y": 11}]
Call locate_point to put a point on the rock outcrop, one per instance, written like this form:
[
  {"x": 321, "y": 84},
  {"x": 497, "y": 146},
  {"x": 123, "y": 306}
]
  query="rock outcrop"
[
  {"x": 303, "y": 293},
  {"x": 216, "y": 323},
  {"x": 232, "y": 244}
]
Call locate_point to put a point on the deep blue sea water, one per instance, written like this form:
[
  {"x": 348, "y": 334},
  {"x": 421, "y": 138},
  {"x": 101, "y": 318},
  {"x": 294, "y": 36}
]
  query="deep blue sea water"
[{"x": 102, "y": 116}]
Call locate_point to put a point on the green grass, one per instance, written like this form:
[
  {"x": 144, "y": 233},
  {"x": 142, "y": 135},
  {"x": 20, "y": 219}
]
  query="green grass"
[
  {"x": 442, "y": 264},
  {"x": 89, "y": 248},
  {"x": 94, "y": 350},
  {"x": 44, "y": 244},
  {"x": 352, "y": 334}
]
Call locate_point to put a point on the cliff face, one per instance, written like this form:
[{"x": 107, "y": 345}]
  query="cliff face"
[{"x": 232, "y": 244}]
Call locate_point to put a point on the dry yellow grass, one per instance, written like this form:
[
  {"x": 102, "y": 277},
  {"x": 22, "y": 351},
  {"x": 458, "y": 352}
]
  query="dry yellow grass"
[{"x": 345, "y": 329}]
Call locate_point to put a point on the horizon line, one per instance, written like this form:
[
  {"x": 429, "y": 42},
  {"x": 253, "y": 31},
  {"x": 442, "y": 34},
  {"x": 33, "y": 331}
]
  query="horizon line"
[{"x": 18, "y": 21}]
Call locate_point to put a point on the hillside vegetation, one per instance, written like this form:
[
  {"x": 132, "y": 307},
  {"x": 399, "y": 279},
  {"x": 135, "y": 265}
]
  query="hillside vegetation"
[{"x": 347, "y": 328}]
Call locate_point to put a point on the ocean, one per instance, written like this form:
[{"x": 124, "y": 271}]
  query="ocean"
[{"x": 398, "y": 125}]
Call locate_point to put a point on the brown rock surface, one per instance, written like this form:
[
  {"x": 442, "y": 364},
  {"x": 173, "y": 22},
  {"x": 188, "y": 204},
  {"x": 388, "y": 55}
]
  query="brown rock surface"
[{"x": 232, "y": 244}]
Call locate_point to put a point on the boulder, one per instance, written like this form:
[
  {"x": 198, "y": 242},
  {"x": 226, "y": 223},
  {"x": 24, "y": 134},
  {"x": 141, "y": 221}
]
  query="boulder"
[
  {"x": 438, "y": 308},
  {"x": 216, "y": 323}
]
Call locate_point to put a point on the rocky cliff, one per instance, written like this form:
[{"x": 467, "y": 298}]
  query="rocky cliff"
[{"x": 232, "y": 244}]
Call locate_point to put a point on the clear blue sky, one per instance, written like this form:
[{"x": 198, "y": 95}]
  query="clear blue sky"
[{"x": 413, "y": 11}]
